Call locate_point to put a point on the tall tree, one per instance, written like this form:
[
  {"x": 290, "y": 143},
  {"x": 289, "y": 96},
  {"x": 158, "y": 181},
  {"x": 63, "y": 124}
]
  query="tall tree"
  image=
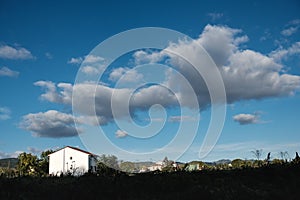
[
  {"x": 237, "y": 163},
  {"x": 27, "y": 164},
  {"x": 257, "y": 153},
  {"x": 284, "y": 155},
  {"x": 43, "y": 162},
  {"x": 109, "y": 160}
]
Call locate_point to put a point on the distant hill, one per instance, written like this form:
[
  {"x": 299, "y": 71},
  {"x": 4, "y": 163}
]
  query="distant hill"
[
  {"x": 223, "y": 161},
  {"x": 140, "y": 165},
  {"x": 9, "y": 162}
]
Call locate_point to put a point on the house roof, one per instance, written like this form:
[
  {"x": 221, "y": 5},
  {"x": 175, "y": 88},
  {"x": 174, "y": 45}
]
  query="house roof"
[{"x": 77, "y": 149}]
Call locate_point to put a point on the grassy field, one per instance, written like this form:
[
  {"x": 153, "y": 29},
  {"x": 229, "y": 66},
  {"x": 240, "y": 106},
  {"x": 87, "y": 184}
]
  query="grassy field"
[{"x": 273, "y": 182}]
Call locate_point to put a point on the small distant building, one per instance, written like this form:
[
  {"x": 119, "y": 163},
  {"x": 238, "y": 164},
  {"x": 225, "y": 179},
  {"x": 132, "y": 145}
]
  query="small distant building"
[
  {"x": 158, "y": 166},
  {"x": 155, "y": 167},
  {"x": 71, "y": 160},
  {"x": 194, "y": 166}
]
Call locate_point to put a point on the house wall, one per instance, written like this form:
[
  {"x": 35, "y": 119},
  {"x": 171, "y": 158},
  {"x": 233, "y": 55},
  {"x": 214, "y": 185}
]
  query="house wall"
[
  {"x": 56, "y": 161},
  {"x": 69, "y": 160}
]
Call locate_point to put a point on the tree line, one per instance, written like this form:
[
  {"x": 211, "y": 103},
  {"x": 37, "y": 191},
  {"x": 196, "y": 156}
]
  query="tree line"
[{"x": 32, "y": 165}]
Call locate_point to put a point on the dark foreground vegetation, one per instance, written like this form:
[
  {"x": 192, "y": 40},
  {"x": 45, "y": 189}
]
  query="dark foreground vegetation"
[{"x": 267, "y": 182}]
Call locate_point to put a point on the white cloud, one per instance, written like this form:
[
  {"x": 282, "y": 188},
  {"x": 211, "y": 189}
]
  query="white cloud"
[
  {"x": 4, "y": 113},
  {"x": 87, "y": 93},
  {"x": 93, "y": 59},
  {"x": 121, "y": 134},
  {"x": 51, "y": 94},
  {"x": 220, "y": 42},
  {"x": 5, "y": 71},
  {"x": 117, "y": 73},
  {"x": 75, "y": 60},
  {"x": 126, "y": 75},
  {"x": 291, "y": 28},
  {"x": 88, "y": 59},
  {"x": 244, "y": 119},
  {"x": 281, "y": 53},
  {"x": 289, "y": 31},
  {"x": 9, "y": 52},
  {"x": 148, "y": 57},
  {"x": 91, "y": 64},
  {"x": 215, "y": 16},
  {"x": 90, "y": 70},
  {"x": 155, "y": 94},
  {"x": 247, "y": 74},
  {"x": 251, "y": 75},
  {"x": 51, "y": 124}
]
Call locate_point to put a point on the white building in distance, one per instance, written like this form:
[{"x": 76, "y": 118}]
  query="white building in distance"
[
  {"x": 157, "y": 166},
  {"x": 71, "y": 160}
]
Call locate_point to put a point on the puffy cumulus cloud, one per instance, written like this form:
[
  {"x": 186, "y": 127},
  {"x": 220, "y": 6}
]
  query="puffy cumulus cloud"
[
  {"x": 86, "y": 95},
  {"x": 247, "y": 74},
  {"x": 50, "y": 88},
  {"x": 90, "y": 64},
  {"x": 51, "y": 124},
  {"x": 123, "y": 101},
  {"x": 14, "y": 53},
  {"x": 251, "y": 75},
  {"x": 88, "y": 59},
  {"x": 64, "y": 95},
  {"x": 148, "y": 57},
  {"x": 117, "y": 73},
  {"x": 126, "y": 75},
  {"x": 244, "y": 119},
  {"x": 90, "y": 70},
  {"x": 220, "y": 42},
  {"x": 93, "y": 59},
  {"x": 5, "y": 71},
  {"x": 120, "y": 134},
  {"x": 154, "y": 94},
  {"x": 4, "y": 113}
]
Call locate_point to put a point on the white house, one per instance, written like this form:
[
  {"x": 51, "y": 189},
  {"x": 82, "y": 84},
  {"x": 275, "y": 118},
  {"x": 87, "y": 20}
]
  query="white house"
[{"x": 71, "y": 160}]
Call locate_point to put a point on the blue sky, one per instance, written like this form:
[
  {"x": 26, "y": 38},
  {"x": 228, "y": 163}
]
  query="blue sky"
[{"x": 254, "y": 44}]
